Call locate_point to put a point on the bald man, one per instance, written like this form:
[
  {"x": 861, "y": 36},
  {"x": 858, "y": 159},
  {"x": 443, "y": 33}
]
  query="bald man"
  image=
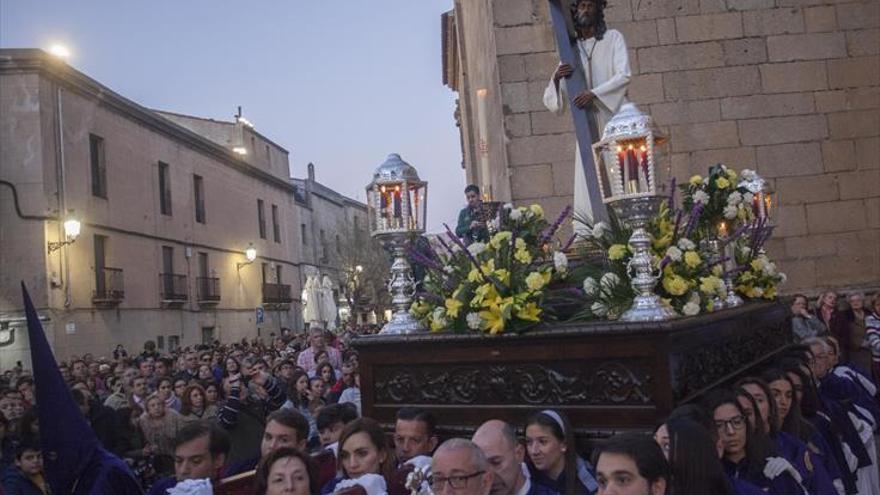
[{"x": 498, "y": 442}]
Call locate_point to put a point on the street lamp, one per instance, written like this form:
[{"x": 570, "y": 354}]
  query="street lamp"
[
  {"x": 60, "y": 51},
  {"x": 359, "y": 268},
  {"x": 250, "y": 254},
  {"x": 72, "y": 228},
  {"x": 396, "y": 202}
]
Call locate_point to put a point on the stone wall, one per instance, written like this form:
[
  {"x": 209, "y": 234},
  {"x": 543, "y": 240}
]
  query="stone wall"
[{"x": 790, "y": 88}]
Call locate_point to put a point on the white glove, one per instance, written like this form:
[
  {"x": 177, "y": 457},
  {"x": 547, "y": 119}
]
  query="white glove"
[
  {"x": 192, "y": 487},
  {"x": 838, "y": 485},
  {"x": 373, "y": 484},
  {"x": 422, "y": 462},
  {"x": 777, "y": 465}
]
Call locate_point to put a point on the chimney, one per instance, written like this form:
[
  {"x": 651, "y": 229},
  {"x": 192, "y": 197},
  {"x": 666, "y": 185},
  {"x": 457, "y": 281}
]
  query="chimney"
[{"x": 311, "y": 172}]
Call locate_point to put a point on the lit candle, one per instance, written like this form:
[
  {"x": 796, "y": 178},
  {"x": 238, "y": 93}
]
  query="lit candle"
[
  {"x": 621, "y": 160},
  {"x": 722, "y": 230},
  {"x": 767, "y": 204},
  {"x": 643, "y": 177},
  {"x": 633, "y": 170},
  {"x": 762, "y": 213}
]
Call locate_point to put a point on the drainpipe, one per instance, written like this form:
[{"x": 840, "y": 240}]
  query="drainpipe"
[{"x": 62, "y": 199}]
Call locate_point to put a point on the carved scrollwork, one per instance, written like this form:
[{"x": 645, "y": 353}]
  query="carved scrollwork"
[{"x": 564, "y": 383}]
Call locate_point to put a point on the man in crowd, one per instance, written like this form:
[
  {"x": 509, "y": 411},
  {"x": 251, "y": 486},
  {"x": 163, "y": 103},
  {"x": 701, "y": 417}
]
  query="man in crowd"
[
  {"x": 631, "y": 464},
  {"x": 284, "y": 428},
  {"x": 200, "y": 452},
  {"x": 460, "y": 467},
  {"x": 330, "y": 422},
  {"x": 191, "y": 368},
  {"x": 245, "y": 413},
  {"x": 139, "y": 391},
  {"x": 25, "y": 476},
  {"x": 318, "y": 343},
  {"x": 470, "y": 226},
  {"x": 505, "y": 454},
  {"x": 414, "y": 433}
]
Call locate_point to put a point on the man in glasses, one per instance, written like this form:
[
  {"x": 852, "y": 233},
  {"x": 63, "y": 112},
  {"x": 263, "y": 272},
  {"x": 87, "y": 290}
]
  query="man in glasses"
[
  {"x": 459, "y": 466},
  {"x": 505, "y": 454}
]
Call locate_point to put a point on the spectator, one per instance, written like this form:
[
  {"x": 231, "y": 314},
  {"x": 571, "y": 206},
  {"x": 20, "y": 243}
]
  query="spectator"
[
  {"x": 855, "y": 315},
  {"x": 362, "y": 451},
  {"x": 25, "y": 477},
  {"x": 414, "y": 433},
  {"x": 330, "y": 423},
  {"x": 804, "y": 324},
  {"x": 200, "y": 451},
  {"x": 555, "y": 463},
  {"x": 834, "y": 320},
  {"x": 506, "y": 457},
  {"x": 194, "y": 405},
  {"x": 167, "y": 393},
  {"x": 159, "y": 426},
  {"x": 244, "y": 413},
  {"x": 287, "y": 471},
  {"x": 460, "y": 466},
  {"x": 872, "y": 337},
  {"x": 317, "y": 343},
  {"x": 632, "y": 464}
]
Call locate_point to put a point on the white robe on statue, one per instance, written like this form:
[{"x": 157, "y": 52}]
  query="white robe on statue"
[{"x": 608, "y": 79}]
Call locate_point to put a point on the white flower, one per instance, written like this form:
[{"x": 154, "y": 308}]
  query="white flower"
[
  {"x": 599, "y": 308},
  {"x": 516, "y": 214},
  {"x": 735, "y": 198},
  {"x": 701, "y": 197},
  {"x": 745, "y": 250},
  {"x": 439, "y": 312},
  {"x": 473, "y": 321},
  {"x": 782, "y": 277},
  {"x": 448, "y": 269},
  {"x": 508, "y": 206},
  {"x": 560, "y": 261},
  {"x": 610, "y": 279},
  {"x": 674, "y": 253},
  {"x": 599, "y": 229},
  {"x": 730, "y": 212},
  {"x": 748, "y": 198},
  {"x": 748, "y": 174},
  {"x": 686, "y": 244},
  {"x": 591, "y": 286},
  {"x": 492, "y": 225},
  {"x": 758, "y": 292},
  {"x": 691, "y": 308},
  {"x": 476, "y": 248},
  {"x": 770, "y": 269},
  {"x": 192, "y": 487}
]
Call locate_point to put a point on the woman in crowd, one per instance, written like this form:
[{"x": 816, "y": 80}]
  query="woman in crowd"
[
  {"x": 554, "y": 463},
  {"x": 693, "y": 459},
  {"x": 298, "y": 398},
  {"x": 212, "y": 394},
  {"x": 804, "y": 324},
  {"x": 833, "y": 319},
  {"x": 194, "y": 405},
  {"x": 205, "y": 373},
  {"x": 747, "y": 455},
  {"x": 287, "y": 471},
  {"x": 166, "y": 392},
  {"x": 855, "y": 316},
  {"x": 233, "y": 367},
  {"x": 363, "y": 450},
  {"x": 327, "y": 374},
  {"x": 159, "y": 426}
]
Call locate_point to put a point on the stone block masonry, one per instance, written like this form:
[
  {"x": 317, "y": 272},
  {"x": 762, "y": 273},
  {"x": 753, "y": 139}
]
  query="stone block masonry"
[{"x": 788, "y": 87}]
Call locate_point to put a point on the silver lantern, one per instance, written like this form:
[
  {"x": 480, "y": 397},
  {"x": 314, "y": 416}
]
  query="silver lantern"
[
  {"x": 626, "y": 162},
  {"x": 396, "y": 203}
]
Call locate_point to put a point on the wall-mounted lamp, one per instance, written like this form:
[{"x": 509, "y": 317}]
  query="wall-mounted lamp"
[
  {"x": 250, "y": 253},
  {"x": 72, "y": 227}
]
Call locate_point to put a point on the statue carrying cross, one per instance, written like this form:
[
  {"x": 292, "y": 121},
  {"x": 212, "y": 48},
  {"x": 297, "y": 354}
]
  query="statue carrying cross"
[{"x": 592, "y": 78}]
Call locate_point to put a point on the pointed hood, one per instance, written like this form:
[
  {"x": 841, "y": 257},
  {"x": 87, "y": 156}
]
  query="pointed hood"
[{"x": 67, "y": 440}]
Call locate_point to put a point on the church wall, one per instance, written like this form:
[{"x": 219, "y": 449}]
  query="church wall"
[{"x": 790, "y": 88}]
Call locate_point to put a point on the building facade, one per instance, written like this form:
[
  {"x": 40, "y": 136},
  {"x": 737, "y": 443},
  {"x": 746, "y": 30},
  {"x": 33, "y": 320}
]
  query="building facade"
[
  {"x": 168, "y": 205},
  {"x": 789, "y": 88}
]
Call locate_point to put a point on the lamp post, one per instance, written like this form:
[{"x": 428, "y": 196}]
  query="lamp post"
[
  {"x": 250, "y": 255},
  {"x": 396, "y": 202},
  {"x": 626, "y": 162}
]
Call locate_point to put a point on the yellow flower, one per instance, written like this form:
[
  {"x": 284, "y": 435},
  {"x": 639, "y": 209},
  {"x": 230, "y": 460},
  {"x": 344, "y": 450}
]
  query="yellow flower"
[
  {"x": 757, "y": 265},
  {"x": 500, "y": 237},
  {"x": 731, "y": 174},
  {"x": 522, "y": 255},
  {"x": 438, "y": 324},
  {"x": 770, "y": 293},
  {"x": 452, "y": 307},
  {"x": 710, "y": 284},
  {"x": 503, "y": 276},
  {"x": 419, "y": 309},
  {"x": 475, "y": 276},
  {"x": 483, "y": 293},
  {"x": 493, "y": 320},
  {"x": 722, "y": 183},
  {"x": 717, "y": 270},
  {"x": 537, "y": 210},
  {"x": 536, "y": 280},
  {"x": 531, "y": 312},
  {"x": 489, "y": 266},
  {"x": 675, "y": 285},
  {"x": 692, "y": 259},
  {"x": 616, "y": 252},
  {"x": 695, "y": 180},
  {"x": 663, "y": 242},
  {"x": 520, "y": 243}
]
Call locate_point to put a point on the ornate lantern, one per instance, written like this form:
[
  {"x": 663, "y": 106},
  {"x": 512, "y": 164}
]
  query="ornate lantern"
[
  {"x": 626, "y": 161},
  {"x": 397, "y": 208}
]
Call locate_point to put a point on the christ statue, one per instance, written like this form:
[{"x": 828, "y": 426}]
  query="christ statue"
[{"x": 604, "y": 64}]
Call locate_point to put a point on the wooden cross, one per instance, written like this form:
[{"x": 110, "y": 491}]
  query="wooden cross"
[{"x": 584, "y": 120}]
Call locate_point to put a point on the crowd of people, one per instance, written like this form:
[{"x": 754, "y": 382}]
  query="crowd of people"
[{"x": 285, "y": 417}]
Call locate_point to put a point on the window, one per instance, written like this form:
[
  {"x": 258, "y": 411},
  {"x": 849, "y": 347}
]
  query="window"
[
  {"x": 323, "y": 247},
  {"x": 167, "y": 260},
  {"x": 277, "y": 274},
  {"x": 264, "y": 272},
  {"x": 276, "y": 227},
  {"x": 268, "y": 156},
  {"x": 203, "y": 265},
  {"x": 338, "y": 245},
  {"x": 173, "y": 343},
  {"x": 100, "y": 264},
  {"x": 302, "y": 231},
  {"x": 164, "y": 189},
  {"x": 99, "y": 167},
  {"x": 199, "y": 195},
  {"x": 261, "y": 218},
  {"x": 160, "y": 341}
]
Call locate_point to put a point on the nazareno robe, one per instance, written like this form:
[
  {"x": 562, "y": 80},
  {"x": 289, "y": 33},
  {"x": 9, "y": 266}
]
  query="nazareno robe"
[{"x": 607, "y": 77}]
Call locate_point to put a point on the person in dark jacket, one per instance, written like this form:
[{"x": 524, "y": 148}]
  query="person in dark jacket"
[
  {"x": 101, "y": 418},
  {"x": 249, "y": 401},
  {"x": 25, "y": 477}
]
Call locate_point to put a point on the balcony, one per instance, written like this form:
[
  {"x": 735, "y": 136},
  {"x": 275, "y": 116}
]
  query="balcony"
[
  {"x": 276, "y": 294},
  {"x": 208, "y": 290},
  {"x": 109, "y": 287},
  {"x": 173, "y": 288}
]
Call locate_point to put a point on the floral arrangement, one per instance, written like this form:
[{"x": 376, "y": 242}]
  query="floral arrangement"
[
  {"x": 497, "y": 286},
  {"x": 692, "y": 276}
]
